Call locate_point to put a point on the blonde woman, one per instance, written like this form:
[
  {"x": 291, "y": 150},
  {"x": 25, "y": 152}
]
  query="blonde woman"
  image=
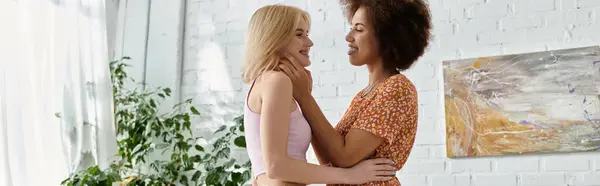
[{"x": 277, "y": 135}]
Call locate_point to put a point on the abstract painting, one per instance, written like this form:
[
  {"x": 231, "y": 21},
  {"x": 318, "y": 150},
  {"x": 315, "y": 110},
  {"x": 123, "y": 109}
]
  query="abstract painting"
[{"x": 523, "y": 103}]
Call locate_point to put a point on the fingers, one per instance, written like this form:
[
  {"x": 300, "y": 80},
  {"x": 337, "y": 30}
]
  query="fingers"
[
  {"x": 291, "y": 60},
  {"x": 291, "y": 67},
  {"x": 294, "y": 62},
  {"x": 286, "y": 69},
  {"x": 383, "y": 161},
  {"x": 383, "y": 169},
  {"x": 386, "y": 168},
  {"x": 308, "y": 72},
  {"x": 386, "y": 173},
  {"x": 294, "y": 65},
  {"x": 287, "y": 56},
  {"x": 381, "y": 178},
  {"x": 297, "y": 65}
]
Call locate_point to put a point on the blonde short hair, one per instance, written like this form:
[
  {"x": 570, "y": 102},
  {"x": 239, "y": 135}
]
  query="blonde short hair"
[{"x": 270, "y": 28}]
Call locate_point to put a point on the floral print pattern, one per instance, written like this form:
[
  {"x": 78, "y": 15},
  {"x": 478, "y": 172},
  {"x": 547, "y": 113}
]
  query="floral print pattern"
[{"x": 389, "y": 111}]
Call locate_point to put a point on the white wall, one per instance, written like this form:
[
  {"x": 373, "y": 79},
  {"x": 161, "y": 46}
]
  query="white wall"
[
  {"x": 213, "y": 48},
  {"x": 151, "y": 33}
]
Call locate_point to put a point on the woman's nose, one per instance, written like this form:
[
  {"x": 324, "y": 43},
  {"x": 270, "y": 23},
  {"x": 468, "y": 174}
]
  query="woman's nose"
[{"x": 349, "y": 37}]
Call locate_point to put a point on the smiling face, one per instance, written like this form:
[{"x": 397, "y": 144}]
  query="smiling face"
[
  {"x": 363, "y": 47},
  {"x": 299, "y": 44}
]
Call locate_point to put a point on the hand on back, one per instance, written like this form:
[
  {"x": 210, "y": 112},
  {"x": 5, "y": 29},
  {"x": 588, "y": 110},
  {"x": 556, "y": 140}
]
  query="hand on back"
[
  {"x": 371, "y": 170},
  {"x": 365, "y": 171}
]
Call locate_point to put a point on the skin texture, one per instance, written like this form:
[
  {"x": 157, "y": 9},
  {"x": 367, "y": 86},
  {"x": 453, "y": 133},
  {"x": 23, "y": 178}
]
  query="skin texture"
[{"x": 272, "y": 98}]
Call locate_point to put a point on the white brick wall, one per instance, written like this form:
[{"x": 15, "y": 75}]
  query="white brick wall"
[{"x": 463, "y": 29}]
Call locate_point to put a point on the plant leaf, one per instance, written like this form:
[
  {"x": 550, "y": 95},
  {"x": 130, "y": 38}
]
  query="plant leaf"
[
  {"x": 167, "y": 91},
  {"x": 239, "y": 120},
  {"x": 152, "y": 103},
  {"x": 184, "y": 180},
  {"x": 222, "y": 128},
  {"x": 196, "y": 159},
  {"x": 196, "y": 176},
  {"x": 136, "y": 148},
  {"x": 246, "y": 176},
  {"x": 212, "y": 178},
  {"x": 224, "y": 153},
  {"x": 199, "y": 148},
  {"x": 187, "y": 125},
  {"x": 229, "y": 164},
  {"x": 247, "y": 164},
  {"x": 236, "y": 177},
  {"x": 240, "y": 141},
  {"x": 194, "y": 110},
  {"x": 241, "y": 128}
]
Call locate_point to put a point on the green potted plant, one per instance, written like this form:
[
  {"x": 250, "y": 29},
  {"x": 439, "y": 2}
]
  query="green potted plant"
[{"x": 142, "y": 131}]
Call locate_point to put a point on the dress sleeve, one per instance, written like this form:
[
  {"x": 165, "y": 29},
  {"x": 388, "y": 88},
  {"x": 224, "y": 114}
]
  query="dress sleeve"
[{"x": 394, "y": 104}]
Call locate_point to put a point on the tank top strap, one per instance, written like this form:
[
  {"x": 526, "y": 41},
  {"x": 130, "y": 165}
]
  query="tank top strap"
[{"x": 249, "y": 90}]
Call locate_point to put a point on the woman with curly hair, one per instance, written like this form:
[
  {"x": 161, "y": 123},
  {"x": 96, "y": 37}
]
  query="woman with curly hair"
[
  {"x": 388, "y": 36},
  {"x": 277, "y": 134}
]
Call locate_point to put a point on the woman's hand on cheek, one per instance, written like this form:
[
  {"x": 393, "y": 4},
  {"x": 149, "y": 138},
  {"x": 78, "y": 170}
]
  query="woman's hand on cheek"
[{"x": 301, "y": 78}]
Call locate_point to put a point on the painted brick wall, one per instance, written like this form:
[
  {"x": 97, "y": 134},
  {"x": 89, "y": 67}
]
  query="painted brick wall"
[{"x": 463, "y": 28}]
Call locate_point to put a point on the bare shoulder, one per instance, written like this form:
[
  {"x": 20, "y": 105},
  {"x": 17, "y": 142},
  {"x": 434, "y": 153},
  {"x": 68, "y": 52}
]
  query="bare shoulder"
[
  {"x": 276, "y": 77},
  {"x": 277, "y": 90},
  {"x": 274, "y": 81}
]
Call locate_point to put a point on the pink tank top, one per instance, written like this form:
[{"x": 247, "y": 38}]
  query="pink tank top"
[{"x": 298, "y": 139}]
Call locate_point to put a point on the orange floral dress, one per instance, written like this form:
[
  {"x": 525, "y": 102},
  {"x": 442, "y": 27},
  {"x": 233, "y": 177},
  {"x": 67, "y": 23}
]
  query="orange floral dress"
[{"x": 389, "y": 111}]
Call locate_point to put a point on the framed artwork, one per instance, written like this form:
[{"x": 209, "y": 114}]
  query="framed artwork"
[{"x": 523, "y": 103}]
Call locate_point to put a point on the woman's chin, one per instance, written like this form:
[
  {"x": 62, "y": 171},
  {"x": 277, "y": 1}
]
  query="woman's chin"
[
  {"x": 356, "y": 63},
  {"x": 305, "y": 63}
]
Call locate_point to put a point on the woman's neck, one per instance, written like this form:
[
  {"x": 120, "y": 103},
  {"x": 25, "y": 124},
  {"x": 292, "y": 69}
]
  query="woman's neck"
[{"x": 377, "y": 73}]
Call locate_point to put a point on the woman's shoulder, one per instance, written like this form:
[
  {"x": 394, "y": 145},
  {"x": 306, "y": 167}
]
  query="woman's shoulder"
[
  {"x": 274, "y": 79},
  {"x": 275, "y": 76},
  {"x": 271, "y": 82}
]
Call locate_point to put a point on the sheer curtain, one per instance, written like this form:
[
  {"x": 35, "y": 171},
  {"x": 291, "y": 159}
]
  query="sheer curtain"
[{"x": 54, "y": 62}]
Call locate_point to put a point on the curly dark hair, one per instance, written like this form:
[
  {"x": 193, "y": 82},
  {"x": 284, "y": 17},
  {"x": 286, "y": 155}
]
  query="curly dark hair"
[{"x": 402, "y": 28}]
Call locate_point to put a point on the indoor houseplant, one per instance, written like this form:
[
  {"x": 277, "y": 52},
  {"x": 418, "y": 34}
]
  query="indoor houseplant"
[{"x": 142, "y": 131}]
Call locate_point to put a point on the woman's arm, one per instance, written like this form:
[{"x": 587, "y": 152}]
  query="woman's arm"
[
  {"x": 274, "y": 136},
  {"x": 318, "y": 149},
  {"x": 343, "y": 151},
  {"x": 320, "y": 152}
]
